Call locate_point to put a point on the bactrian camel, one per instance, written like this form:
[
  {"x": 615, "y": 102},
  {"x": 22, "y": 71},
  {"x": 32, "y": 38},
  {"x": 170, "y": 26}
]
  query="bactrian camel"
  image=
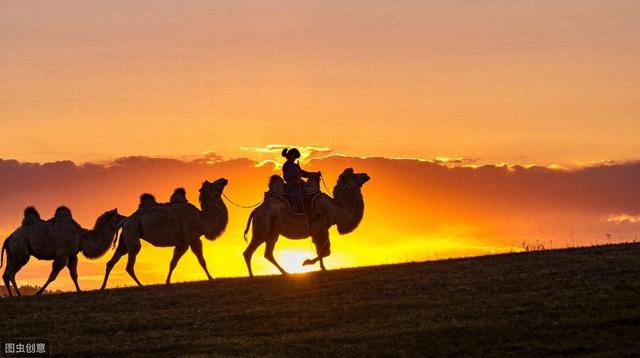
[
  {"x": 274, "y": 216},
  {"x": 59, "y": 239},
  {"x": 178, "y": 224}
]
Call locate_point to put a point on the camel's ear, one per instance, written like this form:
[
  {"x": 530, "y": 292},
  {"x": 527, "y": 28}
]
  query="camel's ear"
[
  {"x": 204, "y": 185},
  {"x": 349, "y": 170},
  {"x": 115, "y": 210}
]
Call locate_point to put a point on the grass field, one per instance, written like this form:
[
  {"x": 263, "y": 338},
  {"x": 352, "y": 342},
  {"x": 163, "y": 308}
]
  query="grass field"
[{"x": 560, "y": 302}]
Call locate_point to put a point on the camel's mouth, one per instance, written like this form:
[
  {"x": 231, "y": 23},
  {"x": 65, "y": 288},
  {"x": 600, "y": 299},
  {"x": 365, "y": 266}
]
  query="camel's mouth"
[
  {"x": 220, "y": 184},
  {"x": 365, "y": 178}
]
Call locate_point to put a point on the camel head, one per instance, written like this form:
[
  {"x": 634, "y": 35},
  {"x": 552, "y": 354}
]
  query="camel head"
[
  {"x": 213, "y": 208},
  {"x": 350, "y": 179},
  {"x": 210, "y": 191},
  {"x": 213, "y": 189},
  {"x": 349, "y": 199},
  {"x": 109, "y": 219}
]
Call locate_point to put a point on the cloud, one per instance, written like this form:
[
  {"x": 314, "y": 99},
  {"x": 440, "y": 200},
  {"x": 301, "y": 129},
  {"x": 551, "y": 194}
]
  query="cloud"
[
  {"x": 623, "y": 218},
  {"x": 503, "y": 202},
  {"x": 455, "y": 161},
  {"x": 525, "y": 191},
  {"x": 272, "y": 153},
  {"x": 428, "y": 206}
]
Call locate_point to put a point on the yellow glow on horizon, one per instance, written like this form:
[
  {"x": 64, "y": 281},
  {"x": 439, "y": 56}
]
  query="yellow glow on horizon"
[{"x": 291, "y": 261}]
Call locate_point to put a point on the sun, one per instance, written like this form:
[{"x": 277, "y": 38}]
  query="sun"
[{"x": 291, "y": 260}]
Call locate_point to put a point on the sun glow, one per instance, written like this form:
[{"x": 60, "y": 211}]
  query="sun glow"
[
  {"x": 271, "y": 153},
  {"x": 291, "y": 260}
]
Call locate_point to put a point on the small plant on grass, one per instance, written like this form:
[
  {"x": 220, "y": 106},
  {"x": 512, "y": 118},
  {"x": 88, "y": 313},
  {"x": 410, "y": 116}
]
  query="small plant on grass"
[{"x": 536, "y": 246}]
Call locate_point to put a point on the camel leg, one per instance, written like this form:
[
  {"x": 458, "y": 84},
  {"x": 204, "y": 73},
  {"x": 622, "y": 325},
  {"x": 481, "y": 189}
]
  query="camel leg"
[
  {"x": 196, "y": 248},
  {"x": 308, "y": 262},
  {"x": 12, "y": 277},
  {"x": 178, "y": 251},
  {"x": 121, "y": 250},
  {"x": 7, "y": 284},
  {"x": 72, "y": 265},
  {"x": 6, "y": 277},
  {"x": 313, "y": 261},
  {"x": 58, "y": 264},
  {"x": 14, "y": 264},
  {"x": 268, "y": 254},
  {"x": 323, "y": 249},
  {"x": 15, "y": 285},
  {"x": 248, "y": 253},
  {"x": 134, "y": 249}
]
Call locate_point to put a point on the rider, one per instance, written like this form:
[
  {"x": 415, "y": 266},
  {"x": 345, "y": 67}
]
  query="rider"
[{"x": 293, "y": 175}]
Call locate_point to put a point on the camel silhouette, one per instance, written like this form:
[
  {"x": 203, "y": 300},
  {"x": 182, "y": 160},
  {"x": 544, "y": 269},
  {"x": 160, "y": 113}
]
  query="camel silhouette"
[
  {"x": 274, "y": 216},
  {"x": 59, "y": 239},
  {"x": 178, "y": 224}
]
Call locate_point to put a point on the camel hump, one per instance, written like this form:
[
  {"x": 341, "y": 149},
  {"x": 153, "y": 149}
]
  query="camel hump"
[
  {"x": 147, "y": 200},
  {"x": 179, "y": 196},
  {"x": 31, "y": 216},
  {"x": 276, "y": 184},
  {"x": 63, "y": 212}
]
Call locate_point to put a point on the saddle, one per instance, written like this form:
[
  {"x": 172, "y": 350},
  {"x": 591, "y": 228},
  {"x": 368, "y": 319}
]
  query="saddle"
[
  {"x": 310, "y": 191},
  {"x": 308, "y": 202}
]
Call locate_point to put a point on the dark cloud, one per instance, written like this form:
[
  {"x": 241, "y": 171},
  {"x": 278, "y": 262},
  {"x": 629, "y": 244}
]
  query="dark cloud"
[
  {"x": 509, "y": 201},
  {"x": 414, "y": 208},
  {"x": 407, "y": 196}
]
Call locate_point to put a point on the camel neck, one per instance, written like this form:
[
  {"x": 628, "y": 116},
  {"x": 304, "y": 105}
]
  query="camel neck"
[
  {"x": 350, "y": 208},
  {"x": 96, "y": 242},
  {"x": 215, "y": 216}
]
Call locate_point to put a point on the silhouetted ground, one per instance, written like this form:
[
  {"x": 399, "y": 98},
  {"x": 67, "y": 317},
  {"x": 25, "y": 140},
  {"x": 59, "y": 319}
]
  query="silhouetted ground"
[
  {"x": 562, "y": 302},
  {"x": 26, "y": 290}
]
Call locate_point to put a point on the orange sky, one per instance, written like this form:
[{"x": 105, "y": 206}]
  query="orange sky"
[
  {"x": 502, "y": 81},
  {"x": 482, "y": 82}
]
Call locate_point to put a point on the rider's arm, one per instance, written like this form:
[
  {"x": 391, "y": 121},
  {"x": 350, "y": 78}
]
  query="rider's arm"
[{"x": 303, "y": 173}]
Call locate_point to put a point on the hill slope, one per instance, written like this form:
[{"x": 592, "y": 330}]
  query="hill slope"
[{"x": 552, "y": 302}]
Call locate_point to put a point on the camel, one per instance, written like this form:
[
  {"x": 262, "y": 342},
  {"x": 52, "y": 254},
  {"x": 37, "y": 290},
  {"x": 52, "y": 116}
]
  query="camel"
[
  {"x": 59, "y": 239},
  {"x": 274, "y": 216},
  {"x": 178, "y": 224}
]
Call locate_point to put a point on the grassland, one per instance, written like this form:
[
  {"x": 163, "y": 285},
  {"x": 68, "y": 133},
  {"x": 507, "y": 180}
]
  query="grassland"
[{"x": 582, "y": 301}]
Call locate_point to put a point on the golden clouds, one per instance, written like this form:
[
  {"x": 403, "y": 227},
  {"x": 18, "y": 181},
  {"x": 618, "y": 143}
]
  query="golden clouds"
[{"x": 271, "y": 153}]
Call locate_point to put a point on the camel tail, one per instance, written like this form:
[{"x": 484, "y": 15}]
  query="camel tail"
[
  {"x": 4, "y": 248},
  {"x": 246, "y": 229}
]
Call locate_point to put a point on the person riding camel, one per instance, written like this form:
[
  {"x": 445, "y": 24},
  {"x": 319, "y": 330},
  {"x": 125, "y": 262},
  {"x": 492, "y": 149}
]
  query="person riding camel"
[{"x": 293, "y": 175}]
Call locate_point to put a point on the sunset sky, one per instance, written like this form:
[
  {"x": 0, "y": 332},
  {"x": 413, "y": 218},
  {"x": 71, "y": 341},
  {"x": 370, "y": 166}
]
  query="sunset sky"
[
  {"x": 502, "y": 81},
  {"x": 419, "y": 94}
]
